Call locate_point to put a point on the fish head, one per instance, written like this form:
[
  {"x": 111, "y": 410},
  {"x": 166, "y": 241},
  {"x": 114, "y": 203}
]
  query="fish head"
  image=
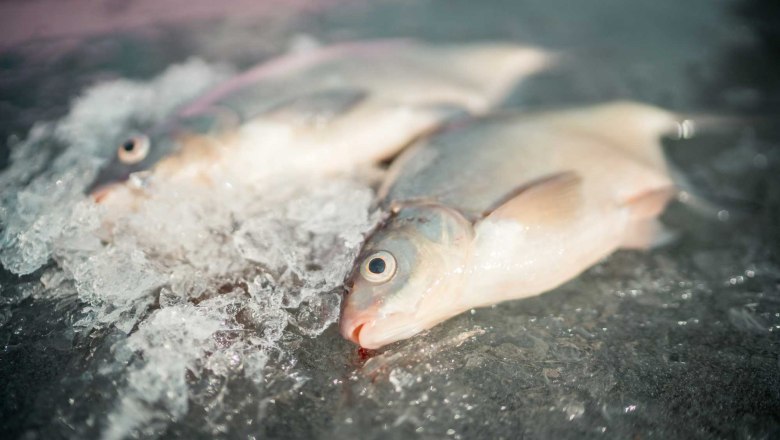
[
  {"x": 406, "y": 277},
  {"x": 142, "y": 152},
  {"x": 137, "y": 153}
]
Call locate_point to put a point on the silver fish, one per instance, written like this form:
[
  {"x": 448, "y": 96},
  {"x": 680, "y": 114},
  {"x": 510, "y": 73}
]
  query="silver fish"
[
  {"x": 367, "y": 98},
  {"x": 506, "y": 207}
]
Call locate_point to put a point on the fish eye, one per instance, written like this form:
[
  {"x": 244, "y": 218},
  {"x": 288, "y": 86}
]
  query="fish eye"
[
  {"x": 133, "y": 150},
  {"x": 378, "y": 267}
]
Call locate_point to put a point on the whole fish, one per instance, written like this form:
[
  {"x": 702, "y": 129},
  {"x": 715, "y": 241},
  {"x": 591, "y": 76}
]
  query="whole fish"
[
  {"x": 505, "y": 207},
  {"x": 327, "y": 109}
]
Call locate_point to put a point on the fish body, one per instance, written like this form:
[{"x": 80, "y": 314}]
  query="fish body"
[
  {"x": 473, "y": 76},
  {"x": 505, "y": 207},
  {"x": 331, "y": 109}
]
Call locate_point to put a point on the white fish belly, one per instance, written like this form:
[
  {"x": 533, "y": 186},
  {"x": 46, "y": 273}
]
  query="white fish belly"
[{"x": 512, "y": 261}]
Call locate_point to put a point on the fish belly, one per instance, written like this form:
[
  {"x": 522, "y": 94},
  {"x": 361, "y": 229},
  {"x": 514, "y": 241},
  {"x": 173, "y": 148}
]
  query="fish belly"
[
  {"x": 342, "y": 107},
  {"x": 512, "y": 261}
]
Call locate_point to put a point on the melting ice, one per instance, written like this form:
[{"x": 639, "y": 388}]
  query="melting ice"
[{"x": 200, "y": 279}]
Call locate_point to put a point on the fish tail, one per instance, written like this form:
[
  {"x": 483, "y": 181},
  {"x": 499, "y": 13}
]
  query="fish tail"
[
  {"x": 690, "y": 125},
  {"x": 707, "y": 205}
]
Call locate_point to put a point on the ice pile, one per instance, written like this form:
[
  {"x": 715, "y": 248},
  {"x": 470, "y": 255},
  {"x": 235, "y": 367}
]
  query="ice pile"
[{"x": 206, "y": 282}]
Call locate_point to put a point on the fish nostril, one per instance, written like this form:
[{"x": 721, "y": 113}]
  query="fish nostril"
[{"x": 356, "y": 333}]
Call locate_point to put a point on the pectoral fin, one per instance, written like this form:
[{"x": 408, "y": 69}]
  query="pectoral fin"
[{"x": 552, "y": 200}]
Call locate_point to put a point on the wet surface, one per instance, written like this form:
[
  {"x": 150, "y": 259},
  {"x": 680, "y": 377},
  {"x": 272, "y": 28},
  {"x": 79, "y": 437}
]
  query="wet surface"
[{"x": 680, "y": 342}]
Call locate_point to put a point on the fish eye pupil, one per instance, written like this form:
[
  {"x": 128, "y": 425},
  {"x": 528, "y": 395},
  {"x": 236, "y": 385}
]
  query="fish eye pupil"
[
  {"x": 128, "y": 145},
  {"x": 376, "y": 266}
]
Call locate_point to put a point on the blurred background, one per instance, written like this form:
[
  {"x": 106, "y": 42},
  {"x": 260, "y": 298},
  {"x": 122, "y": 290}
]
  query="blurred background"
[{"x": 683, "y": 342}]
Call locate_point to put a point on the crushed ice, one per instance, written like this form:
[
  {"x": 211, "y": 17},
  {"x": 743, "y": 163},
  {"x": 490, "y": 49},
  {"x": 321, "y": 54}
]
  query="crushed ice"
[{"x": 202, "y": 280}]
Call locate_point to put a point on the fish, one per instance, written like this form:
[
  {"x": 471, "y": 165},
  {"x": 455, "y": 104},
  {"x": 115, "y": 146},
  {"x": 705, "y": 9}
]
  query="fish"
[
  {"x": 505, "y": 207},
  {"x": 329, "y": 109}
]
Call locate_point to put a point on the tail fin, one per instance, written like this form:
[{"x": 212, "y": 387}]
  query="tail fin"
[
  {"x": 707, "y": 205},
  {"x": 689, "y": 125},
  {"x": 636, "y": 129},
  {"x": 710, "y": 206}
]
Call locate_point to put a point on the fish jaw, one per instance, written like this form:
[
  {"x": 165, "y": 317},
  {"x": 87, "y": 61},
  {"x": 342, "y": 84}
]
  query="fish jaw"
[
  {"x": 370, "y": 329},
  {"x": 363, "y": 329},
  {"x": 103, "y": 193},
  {"x": 366, "y": 335},
  {"x": 353, "y": 321}
]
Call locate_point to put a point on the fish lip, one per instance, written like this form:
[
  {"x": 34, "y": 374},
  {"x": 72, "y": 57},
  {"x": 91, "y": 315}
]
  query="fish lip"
[
  {"x": 350, "y": 329},
  {"x": 358, "y": 330},
  {"x": 100, "y": 193},
  {"x": 355, "y": 335}
]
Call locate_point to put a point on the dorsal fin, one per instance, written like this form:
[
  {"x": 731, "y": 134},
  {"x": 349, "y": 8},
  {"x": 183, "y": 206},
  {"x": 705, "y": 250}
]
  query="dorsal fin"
[{"x": 632, "y": 127}]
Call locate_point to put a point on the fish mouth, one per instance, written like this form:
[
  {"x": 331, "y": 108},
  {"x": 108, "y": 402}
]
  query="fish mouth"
[
  {"x": 355, "y": 336},
  {"x": 100, "y": 193},
  {"x": 363, "y": 332},
  {"x": 351, "y": 330}
]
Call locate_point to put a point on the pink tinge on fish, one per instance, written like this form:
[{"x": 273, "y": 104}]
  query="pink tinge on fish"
[
  {"x": 325, "y": 111},
  {"x": 506, "y": 207}
]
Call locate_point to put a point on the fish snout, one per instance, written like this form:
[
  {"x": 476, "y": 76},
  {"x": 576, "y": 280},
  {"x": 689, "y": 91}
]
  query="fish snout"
[
  {"x": 351, "y": 329},
  {"x": 100, "y": 193},
  {"x": 355, "y": 321}
]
